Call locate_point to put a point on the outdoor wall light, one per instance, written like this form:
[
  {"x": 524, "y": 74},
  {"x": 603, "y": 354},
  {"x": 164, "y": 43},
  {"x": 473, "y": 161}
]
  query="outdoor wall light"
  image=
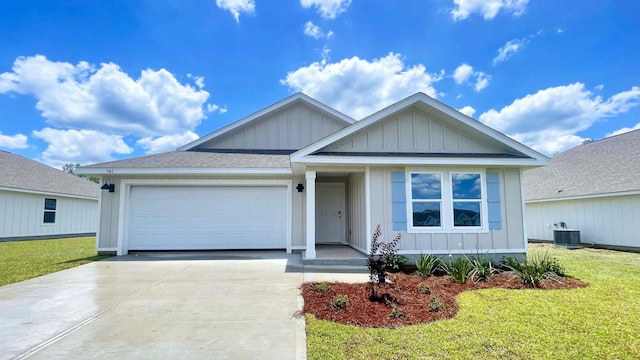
[
  {"x": 110, "y": 187},
  {"x": 300, "y": 187}
]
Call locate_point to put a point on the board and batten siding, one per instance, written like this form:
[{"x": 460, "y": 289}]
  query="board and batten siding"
[
  {"x": 410, "y": 131},
  {"x": 611, "y": 220},
  {"x": 510, "y": 236},
  {"x": 22, "y": 215},
  {"x": 290, "y": 128},
  {"x": 357, "y": 212}
]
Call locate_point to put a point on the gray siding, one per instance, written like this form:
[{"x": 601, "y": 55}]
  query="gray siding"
[
  {"x": 411, "y": 131},
  {"x": 290, "y": 128},
  {"x": 510, "y": 237},
  {"x": 21, "y": 215},
  {"x": 357, "y": 213},
  {"x": 602, "y": 221}
]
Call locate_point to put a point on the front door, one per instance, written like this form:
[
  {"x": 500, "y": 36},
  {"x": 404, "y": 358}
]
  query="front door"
[{"x": 330, "y": 213}]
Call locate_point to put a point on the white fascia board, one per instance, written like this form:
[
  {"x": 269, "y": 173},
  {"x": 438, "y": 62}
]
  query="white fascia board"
[
  {"x": 265, "y": 111},
  {"x": 584, "y": 197},
  {"x": 399, "y": 160},
  {"x": 185, "y": 171},
  {"x": 52, "y": 194},
  {"x": 420, "y": 98}
]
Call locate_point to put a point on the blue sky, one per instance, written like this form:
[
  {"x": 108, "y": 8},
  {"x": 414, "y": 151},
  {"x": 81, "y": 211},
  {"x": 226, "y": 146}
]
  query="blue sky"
[{"x": 89, "y": 81}]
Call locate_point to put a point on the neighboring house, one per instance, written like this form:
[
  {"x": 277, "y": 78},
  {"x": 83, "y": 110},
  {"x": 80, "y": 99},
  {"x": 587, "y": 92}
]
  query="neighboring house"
[
  {"x": 299, "y": 173},
  {"x": 38, "y": 201},
  {"x": 593, "y": 188}
]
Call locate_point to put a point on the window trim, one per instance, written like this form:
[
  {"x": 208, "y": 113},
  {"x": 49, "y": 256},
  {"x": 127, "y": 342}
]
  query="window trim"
[
  {"x": 447, "y": 200},
  {"x": 45, "y": 211}
]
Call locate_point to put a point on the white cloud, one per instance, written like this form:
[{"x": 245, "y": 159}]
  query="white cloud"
[
  {"x": 482, "y": 81},
  {"x": 468, "y": 110},
  {"x": 17, "y": 141},
  {"x": 510, "y": 48},
  {"x": 599, "y": 87},
  {"x": 79, "y": 146},
  {"x": 358, "y": 87},
  {"x": 166, "y": 143},
  {"x": 624, "y": 130},
  {"x": 464, "y": 73},
  {"x": 328, "y": 9},
  {"x": 236, "y": 7},
  {"x": 105, "y": 98},
  {"x": 488, "y": 9},
  {"x": 313, "y": 30},
  {"x": 549, "y": 119}
]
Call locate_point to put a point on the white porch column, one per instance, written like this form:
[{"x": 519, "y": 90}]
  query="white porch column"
[{"x": 310, "y": 253}]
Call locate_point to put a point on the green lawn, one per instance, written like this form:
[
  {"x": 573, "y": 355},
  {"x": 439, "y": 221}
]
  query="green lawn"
[
  {"x": 601, "y": 321},
  {"x": 22, "y": 260}
]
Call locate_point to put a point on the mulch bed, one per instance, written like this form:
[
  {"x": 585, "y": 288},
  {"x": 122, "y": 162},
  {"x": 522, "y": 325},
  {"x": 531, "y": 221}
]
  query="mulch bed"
[{"x": 412, "y": 306}]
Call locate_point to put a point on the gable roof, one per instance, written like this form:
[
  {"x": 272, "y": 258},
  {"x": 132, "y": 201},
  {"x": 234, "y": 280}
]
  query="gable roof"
[
  {"x": 298, "y": 97},
  {"x": 26, "y": 175},
  {"x": 600, "y": 168},
  {"x": 520, "y": 155},
  {"x": 194, "y": 162}
]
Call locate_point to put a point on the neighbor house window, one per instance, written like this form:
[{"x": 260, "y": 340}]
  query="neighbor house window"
[
  {"x": 445, "y": 201},
  {"x": 50, "y": 211}
]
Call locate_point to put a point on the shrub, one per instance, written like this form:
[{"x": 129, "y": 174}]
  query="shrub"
[
  {"x": 428, "y": 264},
  {"x": 395, "y": 313},
  {"x": 395, "y": 262},
  {"x": 535, "y": 268},
  {"x": 482, "y": 268},
  {"x": 322, "y": 287},
  {"x": 378, "y": 259},
  {"x": 435, "y": 305},
  {"x": 423, "y": 288},
  {"x": 339, "y": 302},
  {"x": 459, "y": 269}
]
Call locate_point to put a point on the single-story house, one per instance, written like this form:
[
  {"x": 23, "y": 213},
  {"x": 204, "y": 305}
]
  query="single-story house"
[
  {"x": 38, "y": 201},
  {"x": 593, "y": 188},
  {"x": 299, "y": 173}
]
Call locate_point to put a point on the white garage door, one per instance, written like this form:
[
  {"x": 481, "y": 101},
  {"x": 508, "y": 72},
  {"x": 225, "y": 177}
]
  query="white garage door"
[{"x": 200, "y": 218}]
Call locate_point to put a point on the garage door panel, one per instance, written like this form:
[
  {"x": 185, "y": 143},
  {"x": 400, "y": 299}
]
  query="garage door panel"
[{"x": 191, "y": 218}]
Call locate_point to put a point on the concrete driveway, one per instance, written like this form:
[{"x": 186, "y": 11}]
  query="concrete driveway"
[{"x": 161, "y": 305}]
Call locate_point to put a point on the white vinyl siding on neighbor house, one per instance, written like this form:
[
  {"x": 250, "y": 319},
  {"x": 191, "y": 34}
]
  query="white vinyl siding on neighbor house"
[
  {"x": 610, "y": 220},
  {"x": 291, "y": 128},
  {"x": 207, "y": 217},
  {"x": 22, "y": 215},
  {"x": 509, "y": 237}
]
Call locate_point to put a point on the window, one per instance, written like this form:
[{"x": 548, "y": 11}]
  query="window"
[
  {"x": 426, "y": 195},
  {"x": 444, "y": 201},
  {"x": 50, "y": 211},
  {"x": 467, "y": 199}
]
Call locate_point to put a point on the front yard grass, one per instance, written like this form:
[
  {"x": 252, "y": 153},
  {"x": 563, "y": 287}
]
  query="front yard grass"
[
  {"x": 601, "y": 321},
  {"x": 22, "y": 260}
]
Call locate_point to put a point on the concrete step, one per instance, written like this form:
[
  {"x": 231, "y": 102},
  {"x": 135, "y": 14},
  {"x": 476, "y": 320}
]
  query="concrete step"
[{"x": 359, "y": 262}]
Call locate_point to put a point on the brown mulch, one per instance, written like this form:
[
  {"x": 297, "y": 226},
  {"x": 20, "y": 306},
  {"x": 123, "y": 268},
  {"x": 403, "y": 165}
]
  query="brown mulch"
[{"x": 412, "y": 307}]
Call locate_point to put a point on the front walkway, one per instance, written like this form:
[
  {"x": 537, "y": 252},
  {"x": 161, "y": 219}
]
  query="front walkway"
[{"x": 223, "y": 305}]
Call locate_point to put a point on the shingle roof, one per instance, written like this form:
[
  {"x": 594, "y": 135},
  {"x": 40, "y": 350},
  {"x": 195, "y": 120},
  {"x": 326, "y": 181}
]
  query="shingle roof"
[
  {"x": 193, "y": 159},
  {"x": 610, "y": 165},
  {"x": 20, "y": 173}
]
